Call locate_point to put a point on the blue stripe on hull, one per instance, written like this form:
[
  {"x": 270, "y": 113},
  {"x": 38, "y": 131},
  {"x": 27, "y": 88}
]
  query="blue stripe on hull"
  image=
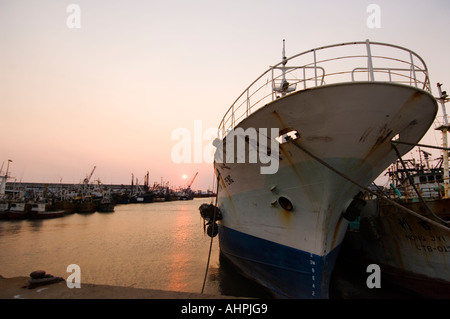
[{"x": 287, "y": 272}]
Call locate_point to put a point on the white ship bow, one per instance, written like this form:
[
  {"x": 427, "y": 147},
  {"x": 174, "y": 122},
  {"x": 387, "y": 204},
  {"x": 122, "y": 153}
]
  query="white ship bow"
[{"x": 284, "y": 229}]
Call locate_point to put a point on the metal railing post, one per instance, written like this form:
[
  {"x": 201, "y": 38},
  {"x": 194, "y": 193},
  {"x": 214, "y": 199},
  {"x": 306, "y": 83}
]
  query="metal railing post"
[
  {"x": 315, "y": 67},
  {"x": 413, "y": 68},
  {"x": 304, "y": 78},
  {"x": 369, "y": 61},
  {"x": 248, "y": 103},
  {"x": 232, "y": 117}
]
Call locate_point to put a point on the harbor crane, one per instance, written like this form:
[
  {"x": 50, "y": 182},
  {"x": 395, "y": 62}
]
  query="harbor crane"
[
  {"x": 192, "y": 181},
  {"x": 88, "y": 178}
]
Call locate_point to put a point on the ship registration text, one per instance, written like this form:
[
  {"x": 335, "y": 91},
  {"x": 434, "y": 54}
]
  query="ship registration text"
[
  {"x": 432, "y": 240},
  {"x": 237, "y": 308}
]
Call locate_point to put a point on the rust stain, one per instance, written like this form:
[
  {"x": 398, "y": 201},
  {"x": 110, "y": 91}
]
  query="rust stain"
[
  {"x": 282, "y": 147},
  {"x": 286, "y": 216},
  {"x": 336, "y": 231},
  {"x": 365, "y": 134},
  {"x": 385, "y": 134},
  {"x": 283, "y": 125},
  {"x": 416, "y": 95}
]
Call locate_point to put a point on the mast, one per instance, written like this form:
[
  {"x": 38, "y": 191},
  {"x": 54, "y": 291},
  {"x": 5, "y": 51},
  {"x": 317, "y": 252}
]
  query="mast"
[
  {"x": 4, "y": 179},
  {"x": 443, "y": 97},
  {"x": 284, "y": 83}
]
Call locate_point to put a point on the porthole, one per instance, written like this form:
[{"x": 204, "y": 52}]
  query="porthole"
[{"x": 285, "y": 203}]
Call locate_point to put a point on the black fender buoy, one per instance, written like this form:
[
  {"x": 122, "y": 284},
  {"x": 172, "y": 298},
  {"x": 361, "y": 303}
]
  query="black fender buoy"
[
  {"x": 212, "y": 230},
  {"x": 210, "y": 212}
]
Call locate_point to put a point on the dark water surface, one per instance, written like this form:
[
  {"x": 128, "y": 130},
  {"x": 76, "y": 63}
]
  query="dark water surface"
[{"x": 154, "y": 245}]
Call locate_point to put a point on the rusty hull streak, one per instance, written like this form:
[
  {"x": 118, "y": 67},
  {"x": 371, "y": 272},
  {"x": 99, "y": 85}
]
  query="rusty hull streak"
[
  {"x": 383, "y": 134},
  {"x": 282, "y": 146},
  {"x": 386, "y": 133},
  {"x": 285, "y": 127},
  {"x": 365, "y": 134},
  {"x": 288, "y": 155},
  {"x": 286, "y": 214},
  {"x": 335, "y": 233}
]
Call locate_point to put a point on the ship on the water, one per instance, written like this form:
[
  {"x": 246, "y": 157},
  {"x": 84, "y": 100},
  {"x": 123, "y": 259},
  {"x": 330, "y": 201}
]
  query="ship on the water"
[
  {"x": 412, "y": 245},
  {"x": 321, "y": 124}
]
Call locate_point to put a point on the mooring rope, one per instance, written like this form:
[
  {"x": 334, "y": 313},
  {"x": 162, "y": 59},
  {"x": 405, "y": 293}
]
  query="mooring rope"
[
  {"x": 423, "y": 145},
  {"x": 212, "y": 237},
  {"x": 367, "y": 189}
]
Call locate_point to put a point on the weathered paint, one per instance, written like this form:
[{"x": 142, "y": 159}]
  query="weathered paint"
[
  {"x": 412, "y": 253},
  {"x": 315, "y": 227}
]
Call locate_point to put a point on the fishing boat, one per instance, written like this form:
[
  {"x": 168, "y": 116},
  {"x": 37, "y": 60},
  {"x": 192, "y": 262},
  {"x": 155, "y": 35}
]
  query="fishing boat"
[
  {"x": 4, "y": 207},
  {"x": 68, "y": 205},
  {"x": 4, "y": 204},
  {"x": 411, "y": 242},
  {"x": 85, "y": 204},
  {"x": 19, "y": 209},
  {"x": 297, "y": 146},
  {"x": 42, "y": 210},
  {"x": 106, "y": 203}
]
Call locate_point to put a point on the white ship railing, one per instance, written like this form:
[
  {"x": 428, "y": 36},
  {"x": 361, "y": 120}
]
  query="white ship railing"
[{"x": 338, "y": 63}]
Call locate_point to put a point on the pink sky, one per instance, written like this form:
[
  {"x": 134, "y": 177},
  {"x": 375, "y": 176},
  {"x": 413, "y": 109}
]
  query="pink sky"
[{"x": 110, "y": 93}]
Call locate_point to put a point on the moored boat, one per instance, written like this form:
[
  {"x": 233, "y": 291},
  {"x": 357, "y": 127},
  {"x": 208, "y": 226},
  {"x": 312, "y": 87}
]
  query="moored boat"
[
  {"x": 19, "y": 210},
  {"x": 85, "y": 205},
  {"x": 411, "y": 242},
  {"x": 4, "y": 206},
  {"x": 311, "y": 134},
  {"x": 67, "y": 205},
  {"x": 42, "y": 210},
  {"x": 106, "y": 203}
]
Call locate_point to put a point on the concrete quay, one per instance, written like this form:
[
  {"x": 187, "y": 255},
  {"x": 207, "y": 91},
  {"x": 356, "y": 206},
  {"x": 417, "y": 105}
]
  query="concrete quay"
[{"x": 17, "y": 288}]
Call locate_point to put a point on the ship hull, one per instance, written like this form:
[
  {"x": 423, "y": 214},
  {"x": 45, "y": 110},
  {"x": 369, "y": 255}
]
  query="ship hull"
[
  {"x": 412, "y": 253},
  {"x": 19, "y": 211},
  {"x": 286, "y": 272},
  {"x": 350, "y": 127}
]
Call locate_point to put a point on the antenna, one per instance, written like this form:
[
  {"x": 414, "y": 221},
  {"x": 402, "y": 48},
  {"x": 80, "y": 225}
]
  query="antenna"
[
  {"x": 284, "y": 86},
  {"x": 443, "y": 97},
  {"x": 284, "y": 83},
  {"x": 284, "y": 54}
]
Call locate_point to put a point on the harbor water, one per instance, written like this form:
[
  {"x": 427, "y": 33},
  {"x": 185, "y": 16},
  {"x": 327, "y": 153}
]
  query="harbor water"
[{"x": 158, "y": 245}]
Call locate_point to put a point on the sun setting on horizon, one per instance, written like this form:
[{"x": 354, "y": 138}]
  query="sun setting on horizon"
[{"x": 110, "y": 87}]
